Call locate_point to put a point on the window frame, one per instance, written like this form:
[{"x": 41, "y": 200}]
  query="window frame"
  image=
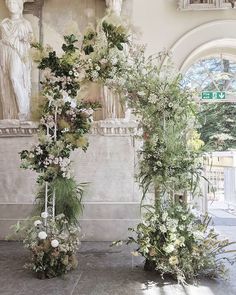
[{"x": 219, "y": 4}]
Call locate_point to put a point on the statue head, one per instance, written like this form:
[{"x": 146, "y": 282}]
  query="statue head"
[
  {"x": 15, "y": 6},
  {"x": 115, "y": 6}
]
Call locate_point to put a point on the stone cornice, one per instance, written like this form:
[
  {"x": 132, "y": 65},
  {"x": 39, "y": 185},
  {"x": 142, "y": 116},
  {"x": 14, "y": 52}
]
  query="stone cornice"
[
  {"x": 114, "y": 128},
  {"x": 14, "y": 128}
]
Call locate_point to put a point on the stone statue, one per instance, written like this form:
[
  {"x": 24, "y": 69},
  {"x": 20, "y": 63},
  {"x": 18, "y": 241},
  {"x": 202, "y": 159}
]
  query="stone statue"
[
  {"x": 15, "y": 67},
  {"x": 115, "y": 6},
  {"x": 112, "y": 108}
]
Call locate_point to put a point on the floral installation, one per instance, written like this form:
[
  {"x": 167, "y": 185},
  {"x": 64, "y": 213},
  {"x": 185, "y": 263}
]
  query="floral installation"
[
  {"x": 65, "y": 119},
  {"x": 169, "y": 156},
  {"x": 176, "y": 242},
  {"x": 53, "y": 246},
  {"x": 168, "y": 159},
  {"x": 171, "y": 239},
  {"x": 104, "y": 48}
]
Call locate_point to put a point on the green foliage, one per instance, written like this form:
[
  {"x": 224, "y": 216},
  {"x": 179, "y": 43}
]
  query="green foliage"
[
  {"x": 218, "y": 126},
  {"x": 116, "y": 35},
  {"x": 68, "y": 198},
  {"x": 167, "y": 119},
  {"x": 70, "y": 47}
]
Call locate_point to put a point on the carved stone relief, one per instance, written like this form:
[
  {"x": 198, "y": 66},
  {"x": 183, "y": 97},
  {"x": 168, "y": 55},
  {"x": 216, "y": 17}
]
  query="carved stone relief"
[{"x": 205, "y": 4}]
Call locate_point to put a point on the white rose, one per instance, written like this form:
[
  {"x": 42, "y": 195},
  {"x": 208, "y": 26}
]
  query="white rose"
[
  {"x": 173, "y": 260},
  {"x": 42, "y": 235},
  {"x": 37, "y": 223},
  {"x": 54, "y": 243},
  {"x": 173, "y": 237},
  {"x": 164, "y": 216},
  {"x": 44, "y": 215},
  {"x": 170, "y": 248},
  {"x": 163, "y": 228},
  {"x": 73, "y": 104}
]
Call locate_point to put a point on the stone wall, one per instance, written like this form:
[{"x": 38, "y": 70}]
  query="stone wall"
[{"x": 112, "y": 196}]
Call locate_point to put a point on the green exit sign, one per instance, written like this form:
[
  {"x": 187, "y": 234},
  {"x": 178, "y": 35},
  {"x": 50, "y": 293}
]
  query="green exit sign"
[{"x": 213, "y": 95}]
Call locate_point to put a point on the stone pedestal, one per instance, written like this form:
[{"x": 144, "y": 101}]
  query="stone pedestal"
[{"x": 112, "y": 199}]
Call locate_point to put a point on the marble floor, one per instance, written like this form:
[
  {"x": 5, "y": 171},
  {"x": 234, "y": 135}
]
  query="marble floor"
[{"x": 107, "y": 271}]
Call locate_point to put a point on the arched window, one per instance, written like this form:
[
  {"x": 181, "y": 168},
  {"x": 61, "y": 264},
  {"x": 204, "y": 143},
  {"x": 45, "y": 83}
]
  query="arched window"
[{"x": 215, "y": 73}]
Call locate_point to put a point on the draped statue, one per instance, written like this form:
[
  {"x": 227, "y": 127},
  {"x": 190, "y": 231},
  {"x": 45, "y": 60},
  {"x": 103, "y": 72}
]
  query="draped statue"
[
  {"x": 115, "y": 5},
  {"x": 112, "y": 108},
  {"x": 15, "y": 67}
]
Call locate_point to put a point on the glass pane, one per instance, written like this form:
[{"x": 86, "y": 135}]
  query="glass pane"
[{"x": 212, "y": 74}]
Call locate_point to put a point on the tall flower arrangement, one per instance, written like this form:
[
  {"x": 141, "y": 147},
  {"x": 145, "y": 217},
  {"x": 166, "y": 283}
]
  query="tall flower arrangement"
[
  {"x": 166, "y": 116},
  {"x": 170, "y": 237},
  {"x": 65, "y": 120}
]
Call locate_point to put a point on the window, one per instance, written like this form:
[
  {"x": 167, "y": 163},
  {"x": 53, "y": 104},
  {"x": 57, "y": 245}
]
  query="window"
[
  {"x": 212, "y": 74},
  {"x": 205, "y": 4}
]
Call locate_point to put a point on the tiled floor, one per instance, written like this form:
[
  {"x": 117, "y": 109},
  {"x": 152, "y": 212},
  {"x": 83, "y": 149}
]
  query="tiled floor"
[{"x": 106, "y": 271}]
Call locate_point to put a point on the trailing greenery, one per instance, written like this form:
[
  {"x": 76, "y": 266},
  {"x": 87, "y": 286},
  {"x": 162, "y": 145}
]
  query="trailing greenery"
[
  {"x": 166, "y": 115},
  {"x": 171, "y": 239},
  {"x": 218, "y": 126},
  {"x": 68, "y": 198}
]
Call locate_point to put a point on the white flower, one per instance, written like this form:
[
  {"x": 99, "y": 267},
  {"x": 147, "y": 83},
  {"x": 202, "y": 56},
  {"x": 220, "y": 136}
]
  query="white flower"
[
  {"x": 180, "y": 242},
  {"x": 103, "y": 61},
  {"x": 38, "y": 151},
  {"x": 73, "y": 103},
  {"x": 173, "y": 260},
  {"x": 54, "y": 243},
  {"x": 114, "y": 61},
  {"x": 31, "y": 155},
  {"x": 164, "y": 216},
  {"x": 198, "y": 235},
  {"x": 163, "y": 228},
  {"x": 70, "y": 73},
  {"x": 170, "y": 248},
  {"x": 173, "y": 237},
  {"x": 42, "y": 235},
  {"x": 94, "y": 75},
  {"x": 56, "y": 161},
  {"x": 152, "y": 98},
  {"x": 141, "y": 93},
  {"x": 44, "y": 215},
  {"x": 37, "y": 223},
  {"x": 159, "y": 164},
  {"x": 144, "y": 71},
  {"x": 181, "y": 227},
  {"x": 184, "y": 217}
]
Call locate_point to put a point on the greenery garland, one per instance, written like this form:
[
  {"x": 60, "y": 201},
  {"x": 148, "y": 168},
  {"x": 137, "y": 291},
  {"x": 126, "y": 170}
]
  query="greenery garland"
[{"x": 169, "y": 158}]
